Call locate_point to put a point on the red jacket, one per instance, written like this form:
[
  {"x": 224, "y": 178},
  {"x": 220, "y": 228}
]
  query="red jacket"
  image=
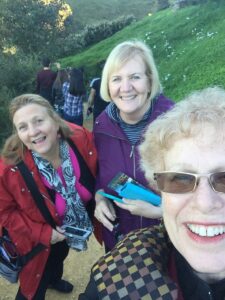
[{"x": 21, "y": 217}]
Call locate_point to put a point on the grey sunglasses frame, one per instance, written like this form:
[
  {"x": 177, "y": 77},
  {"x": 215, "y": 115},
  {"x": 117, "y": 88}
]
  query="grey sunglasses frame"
[{"x": 195, "y": 176}]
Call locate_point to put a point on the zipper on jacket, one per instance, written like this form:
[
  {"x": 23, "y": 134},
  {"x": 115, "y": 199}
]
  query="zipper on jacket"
[
  {"x": 132, "y": 156},
  {"x": 210, "y": 295},
  {"x": 134, "y": 173},
  {"x": 132, "y": 151}
]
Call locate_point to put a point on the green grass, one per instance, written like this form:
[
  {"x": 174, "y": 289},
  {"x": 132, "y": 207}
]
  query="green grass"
[
  {"x": 93, "y": 11},
  {"x": 188, "y": 47}
]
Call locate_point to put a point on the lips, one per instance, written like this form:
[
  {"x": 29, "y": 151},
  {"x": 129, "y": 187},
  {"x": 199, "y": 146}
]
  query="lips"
[
  {"x": 39, "y": 140},
  {"x": 127, "y": 98},
  {"x": 207, "y": 231}
]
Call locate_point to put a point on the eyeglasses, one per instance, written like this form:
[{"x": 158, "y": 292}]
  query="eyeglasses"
[{"x": 181, "y": 183}]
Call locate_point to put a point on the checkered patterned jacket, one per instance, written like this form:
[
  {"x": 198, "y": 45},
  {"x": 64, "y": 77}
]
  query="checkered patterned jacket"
[{"x": 136, "y": 269}]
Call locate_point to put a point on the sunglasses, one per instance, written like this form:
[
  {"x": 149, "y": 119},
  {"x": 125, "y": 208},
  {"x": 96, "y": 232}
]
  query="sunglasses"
[{"x": 181, "y": 183}]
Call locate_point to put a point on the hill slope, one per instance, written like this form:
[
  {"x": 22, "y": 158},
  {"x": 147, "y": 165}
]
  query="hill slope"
[
  {"x": 188, "y": 46},
  {"x": 93, "y": 11}
]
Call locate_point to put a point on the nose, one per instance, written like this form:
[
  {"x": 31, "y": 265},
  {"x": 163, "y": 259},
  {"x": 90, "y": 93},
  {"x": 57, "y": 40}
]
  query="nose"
[
  {"x": 205, "y": 199},
  {"x": 32, "y": 130},
  {"x": 125, "y": 85}
]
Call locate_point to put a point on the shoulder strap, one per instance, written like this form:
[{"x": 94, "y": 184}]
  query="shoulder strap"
[
  {"x": 23, "y": 260},
  {"x": 87, "y": 179},
  {"x": 37, "y": 196}
]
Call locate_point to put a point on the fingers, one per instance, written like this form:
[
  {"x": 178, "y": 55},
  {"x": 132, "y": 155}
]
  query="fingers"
[
  {"x": 127, "y": 204},
  {"x": 56, "y": 236},
  {"x": 101, "y": 217},
  {"x": 106, "y": 223},
  {"x": 141, "y": 208},
  {"x": 105, "y": 212},
  {"x": 60, "y": 230}
]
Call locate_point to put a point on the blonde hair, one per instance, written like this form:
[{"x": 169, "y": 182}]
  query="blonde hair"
[
  {"x": 13, "y": 149},
  {"x": 187, "y": 119},
  {"x": 123, "y": 53}
]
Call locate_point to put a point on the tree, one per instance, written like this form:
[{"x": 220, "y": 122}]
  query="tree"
[{"x": 33, "y": 25}]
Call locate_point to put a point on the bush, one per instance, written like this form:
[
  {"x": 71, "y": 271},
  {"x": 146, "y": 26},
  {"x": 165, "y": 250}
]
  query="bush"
[
  {"x": 92, "y": 34},
  {"x": 17, "y": 76}
]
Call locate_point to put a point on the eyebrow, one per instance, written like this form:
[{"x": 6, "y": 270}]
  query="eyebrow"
[
  {"x": 32, "y": 120},
  {"x": 135, "y": 73},
  {"x": 189, "y": 169}
]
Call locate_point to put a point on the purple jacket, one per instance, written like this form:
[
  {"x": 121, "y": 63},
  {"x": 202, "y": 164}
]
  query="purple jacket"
[{"x": 116, "y": 154}]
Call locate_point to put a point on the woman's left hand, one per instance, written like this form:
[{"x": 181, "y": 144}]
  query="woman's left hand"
[
  {"x": 57, "y": 235},
  {"x": 141, "y": 208}
]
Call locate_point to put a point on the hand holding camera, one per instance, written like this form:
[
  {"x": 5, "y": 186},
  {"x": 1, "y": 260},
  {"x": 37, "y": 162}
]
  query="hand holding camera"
[
  {"x": 57, "y": 235},
  {"x": 76, "y": 237}
]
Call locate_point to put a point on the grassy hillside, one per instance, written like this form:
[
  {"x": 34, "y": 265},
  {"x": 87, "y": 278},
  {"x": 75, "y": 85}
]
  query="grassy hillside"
[
  {"x": 93, "y": 11},
  {"x": 188, "y": 46}
]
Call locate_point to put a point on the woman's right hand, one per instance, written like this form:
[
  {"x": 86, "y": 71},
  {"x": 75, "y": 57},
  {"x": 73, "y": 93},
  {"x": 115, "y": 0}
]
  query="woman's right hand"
[
  {"x": 57, "y": 235},
  {"x": 104, "y": 211}
]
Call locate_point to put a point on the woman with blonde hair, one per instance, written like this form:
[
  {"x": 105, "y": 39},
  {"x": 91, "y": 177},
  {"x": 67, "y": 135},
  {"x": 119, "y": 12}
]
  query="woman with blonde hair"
[
  {"x": 62, "y": 160},
  {"x": 130, "y": 82}
]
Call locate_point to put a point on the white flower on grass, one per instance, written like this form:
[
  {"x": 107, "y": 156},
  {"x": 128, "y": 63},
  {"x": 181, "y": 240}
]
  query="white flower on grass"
[
  {"x": 211, "y": 34},
  {"x": 167, "y": 76}
]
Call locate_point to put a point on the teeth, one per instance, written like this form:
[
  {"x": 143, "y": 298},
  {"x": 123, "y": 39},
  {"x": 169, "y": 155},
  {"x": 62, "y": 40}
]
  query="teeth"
[
  {"x": 209, "y": 231},
  {"x": 126, "y": 98},
  {"x": 38, "y": 140}
]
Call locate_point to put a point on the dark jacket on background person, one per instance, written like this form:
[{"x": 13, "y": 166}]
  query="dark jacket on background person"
[
  {"x": 24, "y": 222},
  {"x": 116, "y": 154},
  {"x": 99, "y": 104},
  {"x": 45, "y": 80}
]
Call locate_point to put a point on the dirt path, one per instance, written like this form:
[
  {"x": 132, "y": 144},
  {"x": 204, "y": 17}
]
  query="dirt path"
[{"x": 77, "y": 271}]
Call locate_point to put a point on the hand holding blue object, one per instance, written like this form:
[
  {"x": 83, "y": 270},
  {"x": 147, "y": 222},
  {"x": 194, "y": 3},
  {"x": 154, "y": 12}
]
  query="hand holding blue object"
[
  {"x": 126, "y": 187},
  {"x": 133, "y": 191},
  {"x": 109, "y": 196}
]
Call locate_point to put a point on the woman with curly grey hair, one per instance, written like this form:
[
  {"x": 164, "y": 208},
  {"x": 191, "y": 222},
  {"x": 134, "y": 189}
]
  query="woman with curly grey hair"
[{"x": 183, "y": 157}]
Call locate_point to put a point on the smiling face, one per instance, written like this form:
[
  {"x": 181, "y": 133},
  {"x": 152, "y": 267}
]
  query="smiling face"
[
  {"x": 129, "y": 89},
  {"x": 37, "y": 130},
  {"x": 195, "y": 221}
]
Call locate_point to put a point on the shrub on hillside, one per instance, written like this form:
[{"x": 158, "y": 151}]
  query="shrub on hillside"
[
  {"x": 178, "y": 4},
  {"x": 5, "y": 126},
  {"x": 157, "y": 5},
  {"x": 17, "y": 76},
  {"x": 18, "y": 72},
  {"x": 75, "y": 43}
]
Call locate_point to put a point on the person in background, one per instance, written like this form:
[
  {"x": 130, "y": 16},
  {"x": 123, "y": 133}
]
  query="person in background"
[
  {"x": 45, "y": 80},
  {"x": 74, "y": 95},
  {"x": 183, "y": 158},
  {"x": 130, "y": 82},
  {"x": 95, "y": 101},
  {"x": 57, "y": 94},
  {"x": 60, "y": 156}
]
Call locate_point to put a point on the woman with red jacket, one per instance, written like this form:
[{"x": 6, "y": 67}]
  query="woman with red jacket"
[{"x": 55, "y": 153}]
